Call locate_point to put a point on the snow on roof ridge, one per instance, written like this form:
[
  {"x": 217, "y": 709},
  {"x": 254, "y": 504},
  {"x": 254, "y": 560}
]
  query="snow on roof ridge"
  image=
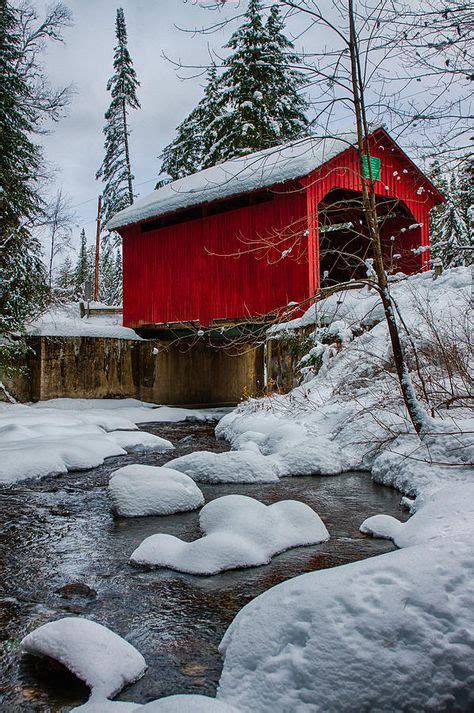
[{"x": 239, "y": 175}]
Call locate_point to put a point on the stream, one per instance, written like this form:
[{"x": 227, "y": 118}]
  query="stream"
[{"x": 60, "y": 531}]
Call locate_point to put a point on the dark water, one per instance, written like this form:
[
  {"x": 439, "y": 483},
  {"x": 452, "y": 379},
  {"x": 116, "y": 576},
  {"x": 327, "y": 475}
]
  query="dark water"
[{"x": 59, "y": 531}]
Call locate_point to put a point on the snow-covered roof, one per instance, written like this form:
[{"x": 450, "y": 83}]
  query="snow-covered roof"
[{"x": 237, "y": 176}]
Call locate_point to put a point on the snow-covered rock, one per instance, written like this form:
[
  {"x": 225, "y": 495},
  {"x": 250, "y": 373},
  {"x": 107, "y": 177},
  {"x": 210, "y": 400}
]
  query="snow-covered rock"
[
  {"x": 184, "y": 703},
  {"x": 231, "y": 467},
  {"x": 137, "y": 490},
  {"x": 139, "y": 441},
  {"x": 99, "y": 657},
  {"x": 238, "y": 531},
  {"x": 190, "y": 703}
]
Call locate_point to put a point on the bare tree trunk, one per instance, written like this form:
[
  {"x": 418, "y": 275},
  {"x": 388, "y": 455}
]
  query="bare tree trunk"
[{"x": 414, "y": 408}]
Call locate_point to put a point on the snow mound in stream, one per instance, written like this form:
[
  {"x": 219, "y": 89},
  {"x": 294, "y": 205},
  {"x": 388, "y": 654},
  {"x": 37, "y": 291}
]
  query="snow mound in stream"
[
  {"x": 190, "y": 703},
  {"x": 184, "y": 703},
  {"x": 231, "y": 467},
  {"x": 137, "y": 490},
  {"x": 99, "y": 657},
  {"x": 238, "y": 531},
  {"x": 141, "y": 441}
]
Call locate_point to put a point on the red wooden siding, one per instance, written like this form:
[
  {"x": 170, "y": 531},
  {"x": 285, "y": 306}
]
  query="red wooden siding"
[
  {"x": 208, "y": 268},
  {"x": 398, "y": 179},
  {"x": 192, "y": 270}
]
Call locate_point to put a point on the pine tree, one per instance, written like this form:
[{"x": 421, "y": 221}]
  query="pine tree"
[
  {"x": 83, "y": 269},
  {"x": 116, "y": 171},
  {"x": 450, "y": 222},
  {"x": 256, "y": 103},
  {"x": 25, "y": 101},
  {"x": 261, "y": 90},
  {"x": 110, "y": 281},
  {"x": 118, "y": 297},
  {"x": 65, "y": 280},
  {"x": 196, "y": 136}
]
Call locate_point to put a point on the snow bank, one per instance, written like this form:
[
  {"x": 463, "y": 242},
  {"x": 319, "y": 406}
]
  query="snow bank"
[
  {"x": 448, "y": 512},
  {"x": 147, "y": 490},
  {"x": 238, "y": 531},
  {"x": 241, "y": 467},
  {"x": 390, "y": 631},
  {"x": 394, "y": 631},
  {"x": 349, "y": 415},
  {"x": 103, "y": 660},
  {"x": 56, "y": 436}
]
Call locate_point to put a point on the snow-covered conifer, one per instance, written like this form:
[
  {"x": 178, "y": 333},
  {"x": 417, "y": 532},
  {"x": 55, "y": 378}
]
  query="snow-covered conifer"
[
  {"x": 254, "y": 103},
  {"x": 110, "y": 274},
  {"x": 116, "y": 171},
  {"x": 83, "y": 269},
  {"x": 65, "y": 280},
  {"x": 450, "y": 222},
  {"x": 261, "y": 89},
  {"x": 189, "y": 151},
  {"x": 26, "y": 101}
]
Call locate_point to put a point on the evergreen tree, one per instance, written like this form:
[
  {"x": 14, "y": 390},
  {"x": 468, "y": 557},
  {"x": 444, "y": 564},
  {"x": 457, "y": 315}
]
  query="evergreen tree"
[
  {"x": 110, "y": 281},
  {"x": 83, "y": 269},
  {"x": 25, "y": 101},
  {"x": 196, "y": 135},
  {"x": 116, "y": 171},
  {"x": 118, "y": 297},
  {"x": 450, "y": 222},
  {"x": 255, "y": 103},
  {"x": 263, "y": 106},
  {"x": 65, "y": 280}
]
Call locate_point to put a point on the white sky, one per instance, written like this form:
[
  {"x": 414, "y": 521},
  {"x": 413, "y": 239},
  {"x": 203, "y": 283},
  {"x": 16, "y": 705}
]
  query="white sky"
[{"x": 75, "y": 147}]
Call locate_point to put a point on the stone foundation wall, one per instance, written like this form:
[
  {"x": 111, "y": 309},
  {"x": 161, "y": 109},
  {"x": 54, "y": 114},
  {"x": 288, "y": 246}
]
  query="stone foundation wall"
[{"x": 92, "y": 367}]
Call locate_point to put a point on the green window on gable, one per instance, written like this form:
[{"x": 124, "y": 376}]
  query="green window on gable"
[{"x": 375, "y": 164}]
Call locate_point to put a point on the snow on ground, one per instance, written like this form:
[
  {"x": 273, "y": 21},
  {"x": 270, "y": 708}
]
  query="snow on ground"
[
  {"x": 56, "y": 436},
  {"x": 395, "y": 629},
  {"x": 238, "y": 531},
  {"x": 137, "y": 490},
  {"x": 65, "y": 321},
  {"x": 244, "y": 467},
  {"x": 96, "y": 655}
]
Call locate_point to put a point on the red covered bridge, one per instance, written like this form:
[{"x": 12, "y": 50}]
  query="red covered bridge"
[{"x": 245, "y": 238}]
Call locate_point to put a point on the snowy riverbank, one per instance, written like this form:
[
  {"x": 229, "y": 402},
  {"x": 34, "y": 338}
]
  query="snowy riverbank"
[
  {"x": 56, "y": 436},
  {"x": 395, "y": 630}
]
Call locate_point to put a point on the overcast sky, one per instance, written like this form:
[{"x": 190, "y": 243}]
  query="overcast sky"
[{"x": 75, "y": 147}]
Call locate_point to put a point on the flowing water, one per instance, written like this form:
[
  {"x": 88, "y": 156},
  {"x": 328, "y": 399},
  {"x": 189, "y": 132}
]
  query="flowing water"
[{"x": 59, "y": 531}]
